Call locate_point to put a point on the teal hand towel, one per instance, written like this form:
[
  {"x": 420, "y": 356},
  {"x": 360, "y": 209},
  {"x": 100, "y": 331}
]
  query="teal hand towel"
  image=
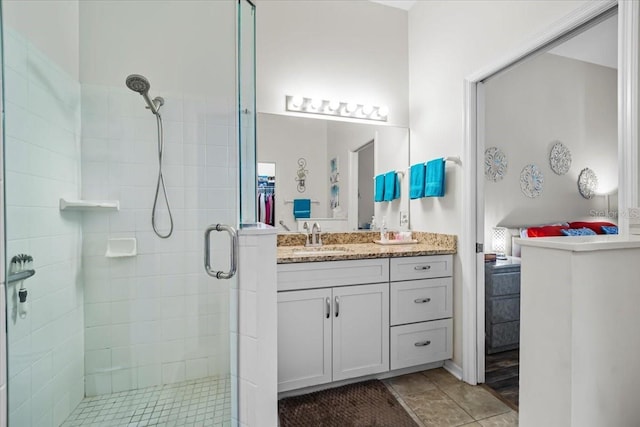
[
  {"x": 434, "y": 185},
  {"x": 302, "y": 208},
  {"x": 416, "y": 183},
  {"x": 378, "y": 194},
  {"x": 389, "y": 186},
  {"x": 396, "y": 193}
]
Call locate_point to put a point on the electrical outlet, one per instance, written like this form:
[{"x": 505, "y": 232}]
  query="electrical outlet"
[{"x": 404, "y": 218}]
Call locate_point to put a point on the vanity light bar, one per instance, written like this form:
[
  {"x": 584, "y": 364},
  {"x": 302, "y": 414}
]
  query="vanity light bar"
[{"x": 326, "y": 107}]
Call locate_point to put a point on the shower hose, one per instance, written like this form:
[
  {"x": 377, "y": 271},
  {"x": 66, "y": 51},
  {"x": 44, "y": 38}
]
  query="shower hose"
[{"x": 160, "y": 184}]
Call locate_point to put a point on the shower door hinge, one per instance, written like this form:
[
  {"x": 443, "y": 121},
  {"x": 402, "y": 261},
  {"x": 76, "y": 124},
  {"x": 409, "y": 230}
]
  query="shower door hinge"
[{"x": 479, "y": 248}]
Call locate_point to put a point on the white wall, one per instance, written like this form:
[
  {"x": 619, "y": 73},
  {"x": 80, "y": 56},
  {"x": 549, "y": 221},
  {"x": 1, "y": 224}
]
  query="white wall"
[
  {"x": 42, "y": 157},
  {"x": 257, "y": 329},
  {"x": 448, "y": 41},
  {"x": 347, "y": 50},
  {"x": 157, "y": 317},
  {"x": 42, "y": 106},
  {"x": 546, "y": 99},
  {"x": 52, "y": 26},
  {"x": 283, "y": 140},
  {"x": 180, "y": 46}
]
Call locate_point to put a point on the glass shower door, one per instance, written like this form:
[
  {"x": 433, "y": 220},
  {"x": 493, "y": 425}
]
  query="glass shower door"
[{"x": 119, "y": 325}]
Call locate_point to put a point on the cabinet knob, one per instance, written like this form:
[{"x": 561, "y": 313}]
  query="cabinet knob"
[
  {"x": 422, "y": 343},
  {"x": 422, "y": 267},
  {"x": 421, "y": 300}
]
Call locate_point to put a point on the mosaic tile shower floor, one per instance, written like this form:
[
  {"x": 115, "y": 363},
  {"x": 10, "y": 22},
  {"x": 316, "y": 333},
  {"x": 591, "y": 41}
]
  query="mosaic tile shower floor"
[{"x": 203, "y": 402}]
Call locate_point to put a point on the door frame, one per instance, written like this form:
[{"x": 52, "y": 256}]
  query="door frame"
[
  {"x": 352, "y": 204},
  {"x": 473, "y": 339}
]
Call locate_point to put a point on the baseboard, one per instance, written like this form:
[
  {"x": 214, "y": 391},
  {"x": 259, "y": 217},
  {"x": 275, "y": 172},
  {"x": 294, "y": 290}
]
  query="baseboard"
[{"x": 453, "y": 369}]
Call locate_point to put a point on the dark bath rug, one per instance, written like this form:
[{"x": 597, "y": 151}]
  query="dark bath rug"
[{"x": 365, "y": 404}]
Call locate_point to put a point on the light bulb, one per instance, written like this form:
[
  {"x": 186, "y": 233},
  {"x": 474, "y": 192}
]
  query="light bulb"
[
  {"x": 351, "y": 107},
  {"x": 296, "y": 101},
  {"x": 334, "y": 105},
  {"x": 316, "y": 103},
  {"x": 367, "y": 110},
  {"x": 383, "y": 111}
]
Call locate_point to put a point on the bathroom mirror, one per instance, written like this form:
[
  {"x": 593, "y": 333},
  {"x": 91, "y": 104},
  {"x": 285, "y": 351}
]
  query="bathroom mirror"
[{"x": 342, "y": 159}]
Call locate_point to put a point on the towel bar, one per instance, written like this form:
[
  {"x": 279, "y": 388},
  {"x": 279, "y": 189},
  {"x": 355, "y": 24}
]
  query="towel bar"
[
  {"x": 454, "y": 159},
  {"x": 291, "y": 201}
]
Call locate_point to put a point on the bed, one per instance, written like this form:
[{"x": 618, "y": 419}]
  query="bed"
[
  {"x": 573, "y": 228},
  {"x": 502, "y": 281}
]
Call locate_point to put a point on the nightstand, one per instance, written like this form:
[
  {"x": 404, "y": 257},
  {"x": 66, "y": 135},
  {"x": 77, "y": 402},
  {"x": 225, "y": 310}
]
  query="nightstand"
[{"x": 502, "y": 305}]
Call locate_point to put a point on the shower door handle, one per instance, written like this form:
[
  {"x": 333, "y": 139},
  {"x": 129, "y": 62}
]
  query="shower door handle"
[{"x": 234, "y": 251}]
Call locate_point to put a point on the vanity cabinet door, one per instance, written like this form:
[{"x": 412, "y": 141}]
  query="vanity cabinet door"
[
  {"x": 360, "y": 330},
  {"x": 304, "y": 338}
]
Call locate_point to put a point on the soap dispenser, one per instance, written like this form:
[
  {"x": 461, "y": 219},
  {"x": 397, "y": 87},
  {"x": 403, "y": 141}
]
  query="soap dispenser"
[{"x": 384, "y": 233}]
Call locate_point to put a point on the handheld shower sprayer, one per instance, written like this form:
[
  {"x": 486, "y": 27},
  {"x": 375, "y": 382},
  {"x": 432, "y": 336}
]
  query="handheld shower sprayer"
[{"x": 140, "y": 84}]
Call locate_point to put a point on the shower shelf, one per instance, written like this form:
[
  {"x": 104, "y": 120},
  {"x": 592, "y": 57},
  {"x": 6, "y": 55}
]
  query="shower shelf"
[{"x": 89, "y": 205}]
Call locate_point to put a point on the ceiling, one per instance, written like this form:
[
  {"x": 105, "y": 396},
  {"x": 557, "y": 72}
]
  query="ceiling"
[{"x": 598, "y": 44}]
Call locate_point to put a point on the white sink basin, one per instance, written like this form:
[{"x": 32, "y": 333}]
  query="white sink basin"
[{"x": 320, "y": 251}]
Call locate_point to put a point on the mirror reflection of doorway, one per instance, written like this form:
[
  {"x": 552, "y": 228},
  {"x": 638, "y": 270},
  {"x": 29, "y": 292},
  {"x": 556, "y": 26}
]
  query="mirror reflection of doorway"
[
  {"x": 266, "y": 202},
  {"x": 365, "y": 185}
]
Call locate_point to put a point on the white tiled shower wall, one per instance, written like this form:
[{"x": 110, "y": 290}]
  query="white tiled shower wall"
[
  {"x": 46, "y": 363},
  {"x": 156, "y": 318}
]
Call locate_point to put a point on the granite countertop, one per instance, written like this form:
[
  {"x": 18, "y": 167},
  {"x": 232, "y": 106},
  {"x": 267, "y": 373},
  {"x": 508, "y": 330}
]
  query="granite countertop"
[{"x": 359, "y": 245}]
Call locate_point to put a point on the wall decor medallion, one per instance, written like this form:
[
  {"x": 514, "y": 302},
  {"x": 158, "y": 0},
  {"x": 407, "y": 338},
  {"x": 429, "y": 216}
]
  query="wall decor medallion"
[
  {"x": 495, "y": 164},
  {"x": 531, "y": 181},
  {"x": 301, "y": 175},
  {"x": 560, "y": 158},
  {"x": 587, "y": 183}
]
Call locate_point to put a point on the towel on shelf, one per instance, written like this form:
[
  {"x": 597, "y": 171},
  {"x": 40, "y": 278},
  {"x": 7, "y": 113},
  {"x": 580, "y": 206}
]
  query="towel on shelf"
[
  {"x": 390, "y": 191},
  {"x": 434, "y": 184},
  {"x": 302, "y": 208},
  {"x": 378, "y": 194},
  {"x": 416, "y": 183}
]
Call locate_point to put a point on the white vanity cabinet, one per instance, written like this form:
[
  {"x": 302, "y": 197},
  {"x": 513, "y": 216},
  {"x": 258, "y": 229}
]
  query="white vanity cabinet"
[
  {"x": 346, "y": 319},
  {"x": 332, "y": 333},
  {"x": 304, "y": 338},
  {"x": 421, "y": 310}
]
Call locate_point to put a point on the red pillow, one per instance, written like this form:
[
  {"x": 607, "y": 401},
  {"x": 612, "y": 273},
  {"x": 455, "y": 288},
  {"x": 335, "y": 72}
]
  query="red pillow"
[
  {"x": 595, "y": 226},
  {"x": 546, "y": 231}
]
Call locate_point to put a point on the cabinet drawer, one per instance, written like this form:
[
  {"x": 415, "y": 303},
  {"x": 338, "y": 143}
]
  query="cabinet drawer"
[
  {"x": 421, "y": 343},
  {"x": 422, "y": 267},
  {"x": 504, "y": 309},
  {"x": 504, "y": 334},
  {"x": 309, "y": 275},
  {"x": 421, "y": 300},
  {"x": 504, "y": 283}
]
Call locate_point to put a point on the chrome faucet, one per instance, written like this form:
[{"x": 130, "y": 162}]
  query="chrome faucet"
[
  {"x": 305, "y": 227},
  {"x": 316, "y": 238}
]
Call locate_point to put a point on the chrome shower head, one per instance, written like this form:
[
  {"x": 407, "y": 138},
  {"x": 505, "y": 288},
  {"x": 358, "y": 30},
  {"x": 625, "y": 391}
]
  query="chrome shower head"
[{"x": 140, "y": 84}]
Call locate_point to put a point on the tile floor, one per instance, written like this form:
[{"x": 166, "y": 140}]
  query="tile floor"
[
  {"x": 435, "y": 398},
  {"x": 203, "y": 402}
]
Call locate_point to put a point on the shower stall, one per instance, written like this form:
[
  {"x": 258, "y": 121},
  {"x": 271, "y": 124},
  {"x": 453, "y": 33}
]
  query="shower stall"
[{"x": 111, "y": 317}]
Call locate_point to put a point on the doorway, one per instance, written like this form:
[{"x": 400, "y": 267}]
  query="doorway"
[
  {"x": 365, "y": 185},
  {"x": 474, "y": 296}
]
